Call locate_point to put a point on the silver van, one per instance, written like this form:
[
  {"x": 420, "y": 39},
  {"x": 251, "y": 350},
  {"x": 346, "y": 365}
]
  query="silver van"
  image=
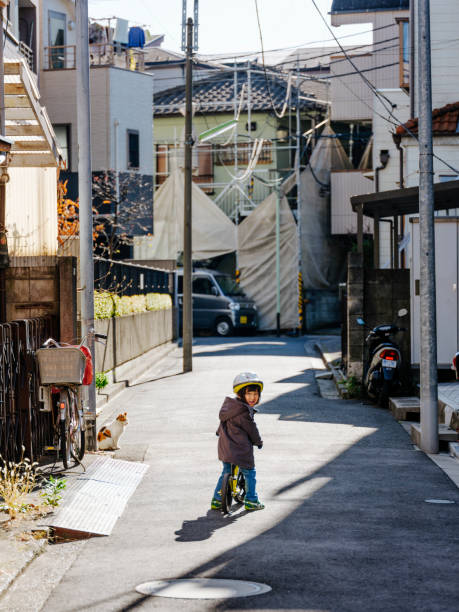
[{"x": 219, "y": 303}]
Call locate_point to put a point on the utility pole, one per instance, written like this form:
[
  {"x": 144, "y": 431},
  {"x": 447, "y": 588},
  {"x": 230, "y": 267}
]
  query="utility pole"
[
  {"x": 187, "y": 323},
  {"x": 428, "y": 366},
  {"x": 4, "y": 259},
  {"x": 298, "y": 185},
  {"x": 85, "y": 199},
  {"x": 278, "y": 304}
]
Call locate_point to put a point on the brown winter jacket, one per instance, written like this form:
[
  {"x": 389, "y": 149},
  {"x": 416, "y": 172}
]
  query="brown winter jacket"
[{"x": 237, "y": 433}]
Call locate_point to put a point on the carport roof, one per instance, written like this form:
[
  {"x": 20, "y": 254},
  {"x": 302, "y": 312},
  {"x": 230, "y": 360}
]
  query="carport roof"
[{"x": 398, "y": 202}]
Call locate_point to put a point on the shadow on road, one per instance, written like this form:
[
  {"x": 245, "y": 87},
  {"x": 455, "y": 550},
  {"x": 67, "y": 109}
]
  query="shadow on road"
[{"x": 204, "y": 527}]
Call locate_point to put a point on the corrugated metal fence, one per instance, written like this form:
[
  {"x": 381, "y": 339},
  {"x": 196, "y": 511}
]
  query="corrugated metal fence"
[
  {"x": 129, "y": 279},
  {"x": 21, "y": 422}
]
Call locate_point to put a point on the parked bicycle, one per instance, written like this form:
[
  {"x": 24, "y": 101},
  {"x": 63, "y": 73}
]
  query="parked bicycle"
[
  {"x": 64, "y": 369},
  {"x": 233, "y": 488}
]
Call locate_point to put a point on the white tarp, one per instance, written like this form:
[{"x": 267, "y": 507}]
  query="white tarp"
[
  {"x": 323, "y": 258},
  {"x": 257, "y": 262},
  {"x": 213, "y": 233}
]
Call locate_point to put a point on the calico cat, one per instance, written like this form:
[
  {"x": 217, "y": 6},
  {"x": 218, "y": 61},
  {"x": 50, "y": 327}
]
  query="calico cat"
[{"x": 109, "y": 436}]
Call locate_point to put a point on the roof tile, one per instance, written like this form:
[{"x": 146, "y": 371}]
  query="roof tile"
[
  {"x": 216, "y": 94},
  {"x": 444, "y": 122}
]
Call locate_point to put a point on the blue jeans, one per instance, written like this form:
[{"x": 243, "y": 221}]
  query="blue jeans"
[{"x": 250, "y": 482}]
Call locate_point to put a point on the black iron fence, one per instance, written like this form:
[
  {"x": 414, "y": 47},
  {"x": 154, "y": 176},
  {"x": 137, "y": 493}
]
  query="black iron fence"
[
  {"x": 21, "y": 422},
  {"x": 129, "y": 279}
]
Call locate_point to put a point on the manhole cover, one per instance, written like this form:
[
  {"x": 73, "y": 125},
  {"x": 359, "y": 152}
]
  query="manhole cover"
[
  {"x": 439, "y": 501},
  {"x": 202, "y": 588}
]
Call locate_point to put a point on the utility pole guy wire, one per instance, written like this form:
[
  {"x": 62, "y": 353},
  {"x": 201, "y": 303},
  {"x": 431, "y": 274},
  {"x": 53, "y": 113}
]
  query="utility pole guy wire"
[{"x": 428, "y": 366}]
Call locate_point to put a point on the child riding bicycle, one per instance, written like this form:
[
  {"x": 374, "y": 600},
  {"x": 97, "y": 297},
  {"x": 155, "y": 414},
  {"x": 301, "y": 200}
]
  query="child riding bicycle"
[{"x": 237, "y": 435}]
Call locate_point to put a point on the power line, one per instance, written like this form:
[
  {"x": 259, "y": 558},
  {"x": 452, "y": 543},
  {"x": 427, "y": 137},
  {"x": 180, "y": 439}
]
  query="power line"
[
  {"x": 383, "y": 99},
  {"x": 244, "y": 54}
]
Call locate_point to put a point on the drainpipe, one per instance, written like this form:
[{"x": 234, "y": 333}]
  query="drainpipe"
[
  {"x": 383, "y": 158},
  {"x": 412, "y": 59},
  {"x": 397, "y": 138}
]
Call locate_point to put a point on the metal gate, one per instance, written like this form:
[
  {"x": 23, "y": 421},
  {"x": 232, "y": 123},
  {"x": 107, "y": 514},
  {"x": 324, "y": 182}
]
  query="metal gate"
[{"x": 21, "y": 422}]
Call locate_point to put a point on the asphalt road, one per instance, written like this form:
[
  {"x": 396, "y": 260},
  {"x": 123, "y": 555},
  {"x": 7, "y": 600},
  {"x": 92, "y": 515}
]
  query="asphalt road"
[{"x": 345, "y": 528}]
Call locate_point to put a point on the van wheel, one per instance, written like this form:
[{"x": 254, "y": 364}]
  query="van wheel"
[{"x": 223, "y": 327}]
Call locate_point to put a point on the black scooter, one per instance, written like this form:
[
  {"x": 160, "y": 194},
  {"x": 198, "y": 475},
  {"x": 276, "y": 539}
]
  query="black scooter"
[{"x": 384, "y": 359}]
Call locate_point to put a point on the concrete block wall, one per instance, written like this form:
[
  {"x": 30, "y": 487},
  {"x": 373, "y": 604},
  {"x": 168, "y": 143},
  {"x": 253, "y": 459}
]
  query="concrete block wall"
[
  {"x": 131, "y": 336},
  {"x": 376, "y": 296}
]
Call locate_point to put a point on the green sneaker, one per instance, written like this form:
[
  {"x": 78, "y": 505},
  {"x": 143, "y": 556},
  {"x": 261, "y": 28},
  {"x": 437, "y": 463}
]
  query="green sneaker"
[
  {"x": 215, "y": 504},
  {"x": 250, "y": 505}
]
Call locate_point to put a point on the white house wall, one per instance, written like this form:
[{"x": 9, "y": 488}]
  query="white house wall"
[
  {"x": 355, "y": 102},
  {"x": 58, "y": 88},
  {"x": 444, "y": 24},
  {"x": 389, "y": 178},
  {"x": 345, "y": 184},
  {"x": 31, "y": 211},
  {"x": 131, "y": 104}
]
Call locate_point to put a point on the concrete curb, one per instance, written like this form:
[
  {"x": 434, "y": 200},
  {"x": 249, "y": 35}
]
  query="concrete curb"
[
  {"x": 337, "y": 374},
  {"x": 15, "y": 556}
]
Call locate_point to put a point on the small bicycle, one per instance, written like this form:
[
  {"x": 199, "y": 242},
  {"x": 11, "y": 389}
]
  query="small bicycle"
[
  {"x": 64, "y": 369},
  {"x": 233, "y": 488}
]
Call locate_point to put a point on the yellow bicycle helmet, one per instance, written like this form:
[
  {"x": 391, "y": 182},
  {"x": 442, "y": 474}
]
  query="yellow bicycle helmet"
[{"x": 244, "y": 379}]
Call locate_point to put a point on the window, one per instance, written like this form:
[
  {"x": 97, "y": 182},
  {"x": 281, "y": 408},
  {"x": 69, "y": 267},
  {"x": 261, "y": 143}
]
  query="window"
[
  {"x": 56, "y": 39},
  {"x": 405, "y": 44},
  {"x": 203, "y": 174},
  {"x": 203, "y": 285},
  {"x": 62, "y": 133},
  {"x": 225, "y": 155},
  {"x": 133, "y": 150}
]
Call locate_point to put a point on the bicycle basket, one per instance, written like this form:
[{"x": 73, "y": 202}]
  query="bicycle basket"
[{"x": 61, "y": 366}]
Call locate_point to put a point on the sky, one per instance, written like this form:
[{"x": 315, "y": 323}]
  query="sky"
[{"x": 231, "y": 26}]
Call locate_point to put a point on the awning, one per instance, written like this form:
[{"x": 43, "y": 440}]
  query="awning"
[
  {"x": 397, "y": 202},
  {"x": 27, "y": 122}
]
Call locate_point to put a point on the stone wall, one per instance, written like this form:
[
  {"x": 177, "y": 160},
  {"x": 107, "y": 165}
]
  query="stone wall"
[{"x": 131, "y": 336}]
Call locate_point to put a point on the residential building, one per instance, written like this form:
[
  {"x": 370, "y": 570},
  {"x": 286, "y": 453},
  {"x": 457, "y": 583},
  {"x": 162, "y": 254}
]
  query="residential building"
[
  {"x": 255, "y": 100},
  {"x": 354, "y": 77},
  {"x": 395, "y": 128},
  {"x": 121, "y": 114}
]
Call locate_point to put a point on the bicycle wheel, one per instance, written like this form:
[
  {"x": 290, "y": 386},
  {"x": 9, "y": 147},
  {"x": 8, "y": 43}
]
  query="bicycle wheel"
[
  {"x": 76, "y": 431},
  {"x": 240, "y": 488},
  {"x": 64, "y": 429},
  {"x": 227, "y": 497}
]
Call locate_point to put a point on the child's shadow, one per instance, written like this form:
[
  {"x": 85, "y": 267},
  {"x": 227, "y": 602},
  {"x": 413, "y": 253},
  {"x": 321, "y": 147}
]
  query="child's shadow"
[{"x": 203, "y": 527}]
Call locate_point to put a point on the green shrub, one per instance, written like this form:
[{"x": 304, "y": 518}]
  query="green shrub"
[
  {"x": 103, "y": 305},
  {"x": 158, "y": 301},
  {"x": 101, "y": 380},
  {"x": 107, "y": 305}
]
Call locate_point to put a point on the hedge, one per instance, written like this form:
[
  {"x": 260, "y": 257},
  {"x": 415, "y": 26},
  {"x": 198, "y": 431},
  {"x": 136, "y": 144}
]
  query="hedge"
[{"x": 107, "y": 305}]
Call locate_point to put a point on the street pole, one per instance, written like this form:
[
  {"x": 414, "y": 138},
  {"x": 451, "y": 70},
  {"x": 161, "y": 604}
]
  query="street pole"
[
  {"x": 298, "y": 190},
  {"x": 187, "y": 323},
  {"x": 428, "y": 366},
  {"x": 278, "y": 306},
  {"x": 85, "y": 204},
  {"x": 4, "y": 259}
]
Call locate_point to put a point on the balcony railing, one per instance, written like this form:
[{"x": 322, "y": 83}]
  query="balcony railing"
[
  {"x": 27, "y": 53},
  {"x": 101, "y": 54}
]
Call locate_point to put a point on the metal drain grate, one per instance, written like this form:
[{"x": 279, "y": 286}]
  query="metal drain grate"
[
  {"x": 202, "y": 588},
  {"x": 99, "y": 496}
]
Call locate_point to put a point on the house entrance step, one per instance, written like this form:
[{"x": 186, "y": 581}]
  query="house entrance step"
[
  {"x": 403, "y": 408},
  {"x": 445, "y": 434}
]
